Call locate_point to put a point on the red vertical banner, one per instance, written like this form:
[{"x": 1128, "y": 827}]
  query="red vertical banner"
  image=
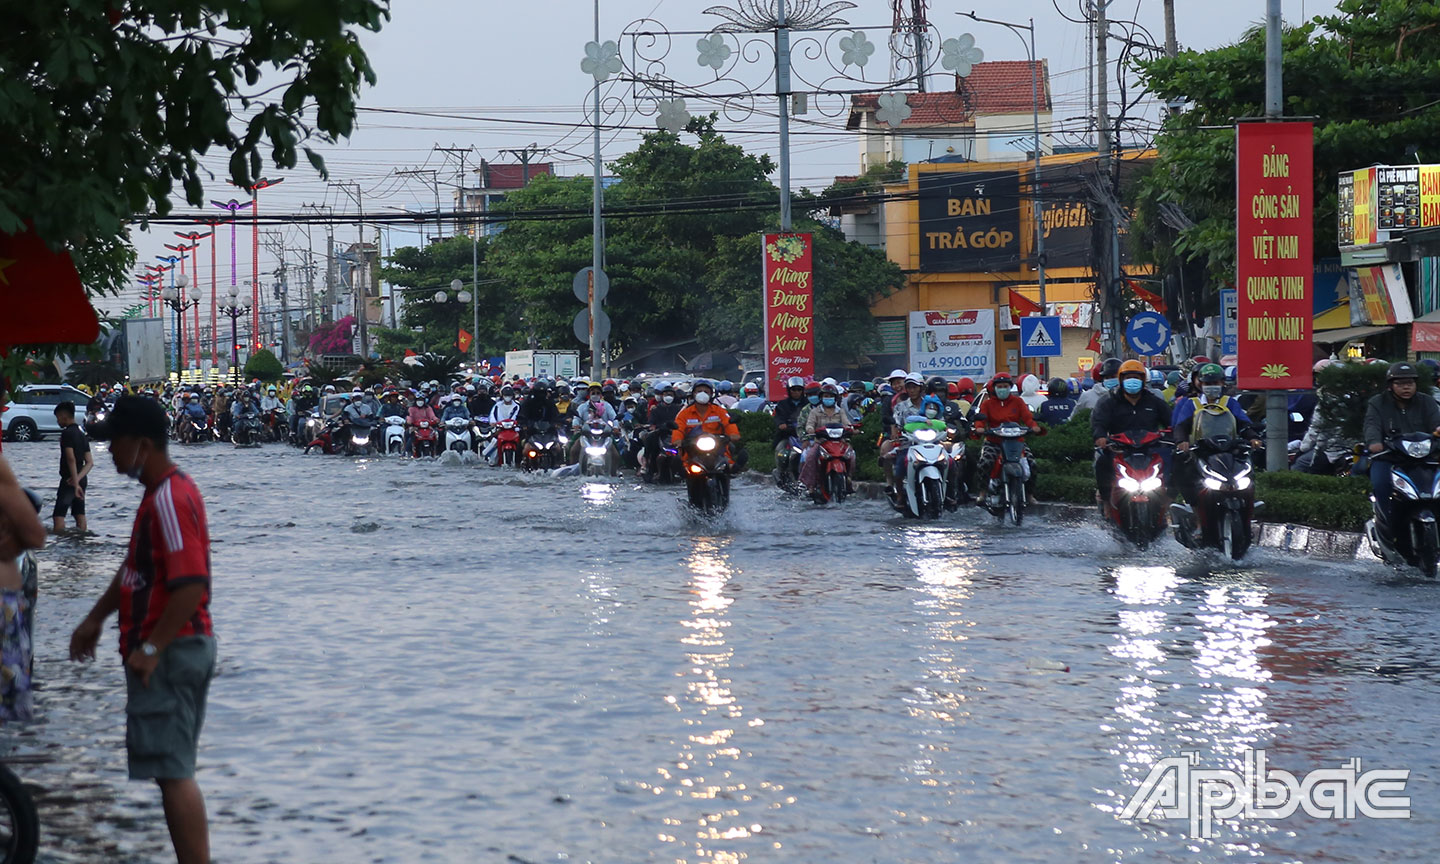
[
  {"x": 1275, "y": 262},
  {"x": 789, "y": 310}
]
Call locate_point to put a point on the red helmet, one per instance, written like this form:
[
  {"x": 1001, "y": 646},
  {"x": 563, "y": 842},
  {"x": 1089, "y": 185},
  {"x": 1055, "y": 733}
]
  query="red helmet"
[
  {"x": 966, "y": 385},
  {"x": 952, "y": 390},
  {"x": 812, "y": 389}
]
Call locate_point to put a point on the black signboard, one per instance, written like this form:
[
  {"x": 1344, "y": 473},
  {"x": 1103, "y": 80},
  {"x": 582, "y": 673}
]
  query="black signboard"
[
  {"x": 1397, "y": 192},
  {"x": 970, "y": 222}
]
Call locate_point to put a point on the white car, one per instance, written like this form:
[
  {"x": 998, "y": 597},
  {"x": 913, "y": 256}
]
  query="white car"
[{"x": 31, "y": 412}]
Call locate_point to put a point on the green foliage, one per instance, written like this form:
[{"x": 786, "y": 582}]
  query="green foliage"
[
  {"x": 419, "y": 273},
  {"x": 435, "y": 367},
  {"x": 1344, "y": 388},
  {"x": 105, "y": 107},
  {"x": 93, "y": 373},
  {"x": 756, "y": 430},
  {"x": 676, "y": 274},
  {"x": 871, "y": 181},
  {"x": 1067, "y": 443},
  {"x": 263, "y": 364},
  {"x": 1336, "y": 503},
  {"x": 1369, "y": 75}
]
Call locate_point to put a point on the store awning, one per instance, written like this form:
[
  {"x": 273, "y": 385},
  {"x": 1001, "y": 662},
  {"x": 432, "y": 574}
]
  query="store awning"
[{"x": 1349, "y": 334}]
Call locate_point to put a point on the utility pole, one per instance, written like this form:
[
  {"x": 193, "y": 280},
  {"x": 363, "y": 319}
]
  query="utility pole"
[
  {"x": 1276, "y": 402},
  {"x": 597, "y": 238},
  {"x": 459, "y": 152},
  {"x": 1171, "y": 49},
  {"x": 435, "y": 182},
  {"x": 1106, "y": 277},
  {"x": 525, "y": 154},
  {"x": 358, "y": 286}
]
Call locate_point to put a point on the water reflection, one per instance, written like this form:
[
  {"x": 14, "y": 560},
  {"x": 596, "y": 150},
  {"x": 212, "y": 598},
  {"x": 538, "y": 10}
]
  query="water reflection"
[
  {"x": 1195, "y": 683},
  {"x": 710, "y": 772}
]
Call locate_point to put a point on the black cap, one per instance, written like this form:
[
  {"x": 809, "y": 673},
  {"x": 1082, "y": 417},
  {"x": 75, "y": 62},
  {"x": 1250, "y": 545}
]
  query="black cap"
[
  {"x": 1401, "y": 370},
  {"x": 133, "y": 417}
]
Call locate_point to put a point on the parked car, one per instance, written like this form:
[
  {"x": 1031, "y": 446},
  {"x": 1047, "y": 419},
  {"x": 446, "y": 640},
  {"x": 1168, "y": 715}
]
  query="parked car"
[{"x": 30, "y": 413}]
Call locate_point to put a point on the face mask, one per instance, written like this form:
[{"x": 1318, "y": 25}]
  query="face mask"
[
  {"x": 509, "y": 399},
  {"x": 1111, "y": 383},
  {"x": 828, "y": 401},
  {"x": 135, "y": 469},
  {"x": 1002, "y": 392},
  {"x": 702, "y": 398},
  {"x": 1133, "y": 385},
  {"x": 814, "y": 400},
  {"x": 931, "y": 413},
  {"x": 667, "y": 399},
  {"x": 1212, "y": 391}
]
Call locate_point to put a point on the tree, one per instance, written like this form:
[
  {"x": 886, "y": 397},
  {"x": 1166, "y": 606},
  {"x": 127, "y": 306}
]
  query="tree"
[
  {"x": 106, "y": 106},
  {"x": 1369, "y": 75},
  {"x": 263, "y": 364},
  {"x": 419, "y": 273},
  {"x": 93, "y": 373},
  {"x": 334, "y": 338}
]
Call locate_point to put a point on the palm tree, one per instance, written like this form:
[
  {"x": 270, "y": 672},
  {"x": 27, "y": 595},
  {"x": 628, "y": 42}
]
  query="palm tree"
[
  {"x": 437, "y": 367},
  {"x": 93, "y": 373}
]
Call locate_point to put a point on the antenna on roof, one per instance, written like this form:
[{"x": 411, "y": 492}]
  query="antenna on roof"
[{"x": 907, "y": 41}]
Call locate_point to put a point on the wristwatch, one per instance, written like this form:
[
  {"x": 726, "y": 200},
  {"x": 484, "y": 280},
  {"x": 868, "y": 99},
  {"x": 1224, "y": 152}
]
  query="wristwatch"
[{"x": 148, "y": 650}]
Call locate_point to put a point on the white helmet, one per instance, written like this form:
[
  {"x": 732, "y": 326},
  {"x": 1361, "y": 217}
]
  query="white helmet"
[{"x": 915, "y": 378}]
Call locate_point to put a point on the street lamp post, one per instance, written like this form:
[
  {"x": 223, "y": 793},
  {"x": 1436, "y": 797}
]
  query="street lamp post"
[
  {"x": 234, "y": 308},
  {"x": 180, "y": 300}
]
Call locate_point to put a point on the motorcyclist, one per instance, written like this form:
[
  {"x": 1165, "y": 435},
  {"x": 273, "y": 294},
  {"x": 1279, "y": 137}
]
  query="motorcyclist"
[
  {"x": 1059, "y": 406},
  {"x": 1030, "y": 392},
  {"x": 906, "y": 405},
  {"x": 660, "y": 419},
  {"x": 597, "y": 407},
  {"x": 1107, "y": 380},
  {"x": 812, "y": 399},
  {"x": 221, "y": 407},
  {"x": 725, "y": 395},
  {"x": 1207, "y": 415},
  {"x": 896, "y": 382},
  {"x": 787, "y": 411},
  {"x": 302, "y": 401},
  {"x": 828, "y": 413},
  {"x": 192, "y": 412},
  {"x": 1324, "y": 449},
  {"x": 1392, "y": 412},
  {"x": 538, "y": 406},
  {"x": 391, "y": 406},
  {"x": 270, "y": 401},
  {"x": 1133, "y": 407},
  {"x": 454, "y": 407},
  {"x": 704, "y": 416},
  {"x": 750, "y": 399},
  {"x": 1002, "y": 405}
]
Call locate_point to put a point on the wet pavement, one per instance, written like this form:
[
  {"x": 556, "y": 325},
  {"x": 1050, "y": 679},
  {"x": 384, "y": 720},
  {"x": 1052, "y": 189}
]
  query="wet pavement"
[{"x": 422, "y": 662}]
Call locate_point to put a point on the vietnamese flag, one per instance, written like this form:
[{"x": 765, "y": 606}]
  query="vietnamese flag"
[
  {"x": 1154, "y": 300},
  {"x": 1022, "y": 307},
  {"x": 1094, "y": 344},
  {"x": 41, "y": 294},
  {"x": 464, "y": 341}
]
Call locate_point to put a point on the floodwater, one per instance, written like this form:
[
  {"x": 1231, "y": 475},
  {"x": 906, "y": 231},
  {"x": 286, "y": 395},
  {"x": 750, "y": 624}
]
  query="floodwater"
[{"x": 422, "y": 662}]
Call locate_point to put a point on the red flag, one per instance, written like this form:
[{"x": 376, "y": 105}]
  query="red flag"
[
  {"x": 1154, "y": 300},
  {"x": 1022, "y": 306},
  {"x": 1094, "y": 342},
  {"x": 464, "y": 341},
  {"x": 409, "y": 352},
  {"x": 41, "y": 294}
]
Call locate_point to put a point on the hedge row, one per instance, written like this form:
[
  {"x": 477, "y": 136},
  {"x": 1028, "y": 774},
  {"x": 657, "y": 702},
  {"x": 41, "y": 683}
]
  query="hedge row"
[{"x": 757, "y": 430}]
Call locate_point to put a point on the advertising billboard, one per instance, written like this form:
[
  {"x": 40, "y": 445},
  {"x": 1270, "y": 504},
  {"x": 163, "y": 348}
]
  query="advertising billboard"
[{"x": 954, "y": 344}]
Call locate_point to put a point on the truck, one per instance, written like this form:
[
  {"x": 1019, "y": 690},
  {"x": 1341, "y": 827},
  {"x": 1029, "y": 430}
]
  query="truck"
[
  {"x": 542, "y": 364},
  {"x": 139, "y": 349}
]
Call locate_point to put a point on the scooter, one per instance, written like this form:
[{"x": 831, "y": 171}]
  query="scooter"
[
  {"x": 787, "y": 463},
  {"x": 394, "y": 435},
  {"x": 1225, "y": 502},
  {"x": 458, "y": 436},
  {"x": 1005, "y": 492},
  {"x": 927, "y": 464},
  {"x": 832, "y": 465},
  {"x": 1410, "y": 536},
  {"x": 425, "y": 439},
  {"x": 357, "y": 442},
  {"x": 597, "y": 450},
  {"x": 507, "y": 443},
  {"x": 957, "y": 483},
  {"x": 545, "y": 449},
  {"x": 246, "y": 431},
  {"x": 707, "y": 472},
  {"x": 274, "y": 425},
  {"x": 311, "y": 425},
  {"x": 1136, "y": 505}
]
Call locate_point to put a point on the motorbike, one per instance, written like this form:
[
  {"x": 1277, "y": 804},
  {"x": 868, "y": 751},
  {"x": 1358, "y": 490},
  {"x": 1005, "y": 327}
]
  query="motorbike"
[
  {"x": 507, "y": 443},
  {"x": 1005, "y": 492},
  {"x": 832, "y": 465},
  {"x": 957, "y": 483},
  {"x": 245, "y": 431},
  {"x": 94, "y": 419},
  {"x": 274, "y": 424},
  {"x": 1225, "y": 502},
  {"x": 545, "y": 448},
  {"x": 458, "y": 435},
  {"x": 192, "y": 431},
  {"x": 597, "y": 450},
  {"x": 1136, "y": 504},
  {"x": 927, "y": 465},
  {"x": 357, "y": 442},
  {"x": 311, "y": 425},
  {"x": 394, "y": 435},
  {"x": 1409, "y": 536},
  {"x": 787, "y": 463},
  {"x": 426, "y": 439},
  {"x": 706, "y": 459}
]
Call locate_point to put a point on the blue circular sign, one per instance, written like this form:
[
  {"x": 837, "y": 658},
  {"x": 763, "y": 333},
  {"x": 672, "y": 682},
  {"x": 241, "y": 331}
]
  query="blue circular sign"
[{"x": 1148, "y": 334}]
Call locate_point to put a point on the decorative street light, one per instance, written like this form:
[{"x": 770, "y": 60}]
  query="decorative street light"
[
  {"x": 233, "y": 308},
  {"x": 178, "y": 299},
  {"x": 193, "y": 238}
]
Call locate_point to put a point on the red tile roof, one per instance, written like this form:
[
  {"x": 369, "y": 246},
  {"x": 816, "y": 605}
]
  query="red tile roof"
[
  {"x": 996, "y": 87},
  {"x": 510, "y": 176}
]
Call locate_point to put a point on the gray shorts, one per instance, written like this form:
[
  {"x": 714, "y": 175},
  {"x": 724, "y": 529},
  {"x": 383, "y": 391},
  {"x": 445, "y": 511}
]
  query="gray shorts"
[{"x": 162, "y": 721}]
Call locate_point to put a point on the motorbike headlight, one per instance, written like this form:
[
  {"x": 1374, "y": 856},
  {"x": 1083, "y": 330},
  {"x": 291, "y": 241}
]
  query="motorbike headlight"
[
  {"x": 925, "y": 435},
  {"x": 1417, "y": 449},
  {"x": 1242, "y": 482},
  {"x": 705, "y": 444},
  {"x": 362, "y": 440},
  {"x": 696, "y": 469},
  {"x": 1212, "y": 484},
  {"x": 1129, "y": 484},
  {"x": 1151, "y": 483},
  {"x": 1404, "y": 486},
  {"x": 595, "y": 451}
]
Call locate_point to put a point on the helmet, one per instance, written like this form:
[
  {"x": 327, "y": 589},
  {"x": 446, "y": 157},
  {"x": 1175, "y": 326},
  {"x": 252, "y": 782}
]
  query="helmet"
[
  {"x": 608, "y": 389},
  {"x": 812, "y": 389},
  {"x": 952, "y": 390},
  {"x": 1430, "y": 365},
  {"x": 935, "y": 384},
  {"x": 898, "y": 373},
  {"x": 1002, "y": 378},
  {"x": 1402, "y": 371},
  {"x": 609, "y": 382},
  {"x": 1058, "y": 388},
  {"x": 541, "y": 384},
  {"x": 829, "y": 390},
  {"x": 1173, "y": 378},
  {"x": 1157, "y": 378},
  {"x": 915, "y": 378},
  {"x": 1211, "y": 373},
  {"x": 702, "y": 382},
  {"x": 1132, "y": 367},
  {"x": 624, "y": 386},
  {"x": 751, "y": 387},
  {"x": 1110, "y": 368},
  {"x": 794, "y": 382},
  {"x": 1321, "y": 364},
  {"x": 966, "y": 385},
  {"x": 667, "y": 387},
  {"x": 507, "y": 390},
  {"x": 469, "y": 388},
  {"x": 725, "y": 387}
]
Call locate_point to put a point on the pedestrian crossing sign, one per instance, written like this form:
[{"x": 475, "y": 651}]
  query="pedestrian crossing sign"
[{"x": 1040, "y": 336}]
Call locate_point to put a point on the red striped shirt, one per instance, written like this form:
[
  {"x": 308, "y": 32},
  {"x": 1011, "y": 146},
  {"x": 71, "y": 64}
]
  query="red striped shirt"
[{"x": 169, "y": 549}]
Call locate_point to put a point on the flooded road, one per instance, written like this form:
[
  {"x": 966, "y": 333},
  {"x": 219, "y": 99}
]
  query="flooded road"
[{"x": 431, "y": 663}]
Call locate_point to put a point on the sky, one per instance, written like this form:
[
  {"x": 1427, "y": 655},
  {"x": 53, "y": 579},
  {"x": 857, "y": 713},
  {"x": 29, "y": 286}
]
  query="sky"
[{"x": 509, "y": 75}]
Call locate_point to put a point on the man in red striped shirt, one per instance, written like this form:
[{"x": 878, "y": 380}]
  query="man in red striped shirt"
[{"x": 162, "y": 593}]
